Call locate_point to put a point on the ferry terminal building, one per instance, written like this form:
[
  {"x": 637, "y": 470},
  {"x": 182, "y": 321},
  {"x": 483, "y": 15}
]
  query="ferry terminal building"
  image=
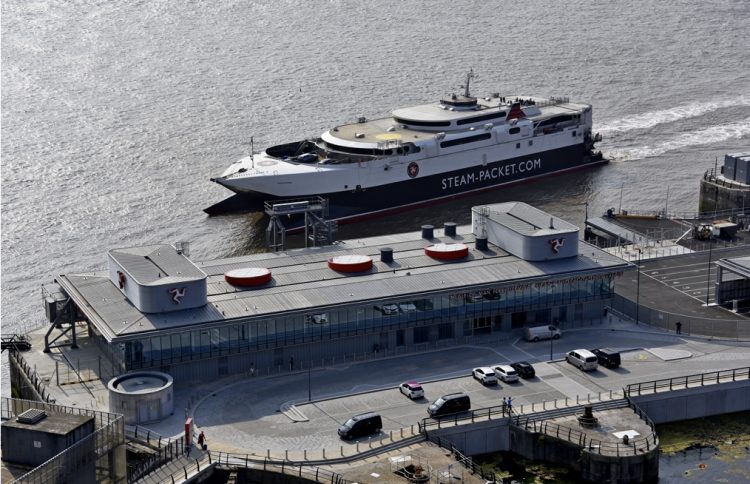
[{"x": 515, "y": 266}]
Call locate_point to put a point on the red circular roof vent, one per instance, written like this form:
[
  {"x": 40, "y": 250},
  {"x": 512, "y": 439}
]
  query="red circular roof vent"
[
  {"x": 447, "y": 251},
  {"x": 350, "y": 263},
  {"x": 248, "y": 276}
]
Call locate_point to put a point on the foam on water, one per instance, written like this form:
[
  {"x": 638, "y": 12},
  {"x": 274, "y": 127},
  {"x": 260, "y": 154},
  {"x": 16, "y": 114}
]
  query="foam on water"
[{"x": 655, "y": 118}]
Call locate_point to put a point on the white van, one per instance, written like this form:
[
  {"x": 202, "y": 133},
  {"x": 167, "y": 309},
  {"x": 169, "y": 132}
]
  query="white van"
[
  {"x": 583, "y": 359},
  {"x": 537, "y": 333}
]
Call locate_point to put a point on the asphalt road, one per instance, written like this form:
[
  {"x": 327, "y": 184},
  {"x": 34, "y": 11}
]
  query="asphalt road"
[{"x": 245, "y": 415}]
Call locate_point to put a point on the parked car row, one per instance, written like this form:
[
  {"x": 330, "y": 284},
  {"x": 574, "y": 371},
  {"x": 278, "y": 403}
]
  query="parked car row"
[
  {"x": 371, "y": 423},
  {"x": 586, "y": 360}
]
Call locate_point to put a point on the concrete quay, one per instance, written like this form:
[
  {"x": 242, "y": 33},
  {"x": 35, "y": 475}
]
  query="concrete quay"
[{"x": 243, "y": 416}]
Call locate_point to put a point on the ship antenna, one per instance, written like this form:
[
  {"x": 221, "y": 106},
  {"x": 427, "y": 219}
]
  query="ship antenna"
[{"x": 469, "y": 77}]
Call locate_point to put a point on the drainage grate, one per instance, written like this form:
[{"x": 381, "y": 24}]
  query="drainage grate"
[{"x": 32, "y": 416}]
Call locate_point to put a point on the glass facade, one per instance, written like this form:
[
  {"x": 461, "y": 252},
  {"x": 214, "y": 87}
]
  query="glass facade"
[{"x": 474, "y": 312}]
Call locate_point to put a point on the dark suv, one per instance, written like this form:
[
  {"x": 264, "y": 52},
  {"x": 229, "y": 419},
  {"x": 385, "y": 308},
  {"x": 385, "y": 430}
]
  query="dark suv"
[
  {"x": 607, "y": 357},
  {"x": 524, "y": 369}
]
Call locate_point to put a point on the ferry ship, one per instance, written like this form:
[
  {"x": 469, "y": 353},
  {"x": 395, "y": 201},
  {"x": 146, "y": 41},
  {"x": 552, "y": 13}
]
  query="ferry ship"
[{"x": 459, "y": 145}]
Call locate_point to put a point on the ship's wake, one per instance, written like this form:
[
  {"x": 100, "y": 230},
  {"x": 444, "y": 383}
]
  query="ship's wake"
[
  {"x": 707, "y": 136},
  {"x": 678, "y": 113}
]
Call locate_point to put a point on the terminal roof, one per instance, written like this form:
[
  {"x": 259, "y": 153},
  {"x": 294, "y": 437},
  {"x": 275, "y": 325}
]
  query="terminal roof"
[
  {"x": 527, "y": 220},
  {"x": 156, "y": 264},
  {"x": 303, "y": 282}
]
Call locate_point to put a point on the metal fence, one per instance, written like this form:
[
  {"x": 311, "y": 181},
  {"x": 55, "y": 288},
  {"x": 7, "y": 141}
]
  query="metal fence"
[
  {"x": 166, "y": 449},
  {"x": 101, "y": 449},
  {"x": 682, "y": 382},
  {"x": 732, "y": 329},
  {"x": 584, "y": 440}
]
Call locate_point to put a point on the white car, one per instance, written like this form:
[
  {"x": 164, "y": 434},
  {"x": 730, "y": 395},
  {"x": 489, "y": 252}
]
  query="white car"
[
  {"x": 412, "y": 389},
  {"x": 407, "y": 307},
  {"x": 317, "y": 318},
  {"x": 389, "y": 309},
  {"x": 506, "y": 373},
  {"x": 485, "y": 374}
]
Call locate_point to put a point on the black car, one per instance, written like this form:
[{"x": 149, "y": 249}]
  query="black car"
[
  {"x": 607, "y": 357},
  {"x": 524, "y": 369}
]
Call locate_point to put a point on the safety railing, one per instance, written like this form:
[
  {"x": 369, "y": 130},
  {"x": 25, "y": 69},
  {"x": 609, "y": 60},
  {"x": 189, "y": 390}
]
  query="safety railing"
[
  {"x": 481, "y": 414},
  {"x": 582, "y": 439},
  {"x": 165, "y": 450},
  {"x": 690, "y": 381}
]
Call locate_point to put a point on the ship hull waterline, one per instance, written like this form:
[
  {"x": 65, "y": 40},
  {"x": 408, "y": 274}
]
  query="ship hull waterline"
[{"x": 356, "y": 205}]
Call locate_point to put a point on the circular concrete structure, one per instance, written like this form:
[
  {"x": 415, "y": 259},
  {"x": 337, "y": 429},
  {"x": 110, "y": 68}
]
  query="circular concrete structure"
[{"x": 142, "y": 396}]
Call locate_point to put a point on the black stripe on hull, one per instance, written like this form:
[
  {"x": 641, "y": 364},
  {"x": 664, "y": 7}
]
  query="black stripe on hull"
[{"x": 422, "y": 190}]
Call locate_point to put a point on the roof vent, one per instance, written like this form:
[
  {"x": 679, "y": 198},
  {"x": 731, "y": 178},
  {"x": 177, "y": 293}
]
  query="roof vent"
[
  {"x": 361, "y": 119},
  {"x": 450, "y": 229},
  {"x": 481, "y": 243},
  {"x": 350, "y": 263},
  {"x": 248, "y": 276},
  {"x": 386, "y": 254},
  {"x": 552, "y": 222},
  {"x": 427, "y": 231},
  {"x": 32, "y": 416},
  {"x": 447, "y": 251}
]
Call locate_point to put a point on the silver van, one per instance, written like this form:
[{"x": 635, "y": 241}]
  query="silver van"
[
  {"x": 537, "y": 333},
  {"x": 583, "y": 359}
]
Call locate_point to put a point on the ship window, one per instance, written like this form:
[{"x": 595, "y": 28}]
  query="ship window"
[
  {"x": 358, "y": 151},
  {"x": 514, "y": 130},
  {"x": 479, "y": 119},
  {"x": 422, "y": 123},
  {"x": 518, "y": 145},
  {"x": 468, "y": 139},
  {"x": 531, "y": 142},
  {"x": 574, "y": 134}
]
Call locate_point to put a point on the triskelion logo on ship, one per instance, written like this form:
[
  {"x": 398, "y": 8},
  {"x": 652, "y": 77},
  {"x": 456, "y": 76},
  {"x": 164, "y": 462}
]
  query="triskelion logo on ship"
[
  {"x": 555, "y": 244},
  {"x": 412, "y": 169}
]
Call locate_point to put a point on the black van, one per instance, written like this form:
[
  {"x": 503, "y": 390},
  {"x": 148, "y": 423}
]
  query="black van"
[
  {"x": 448, "y": 404},
  {"x": 361, "y": 425},
  {"x": 607, "y": 357}
]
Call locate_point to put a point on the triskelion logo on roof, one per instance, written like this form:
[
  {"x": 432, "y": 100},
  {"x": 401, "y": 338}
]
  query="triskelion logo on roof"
[
  {"x": 555, "y": 244},
  {"x": 177, "y": 294}
]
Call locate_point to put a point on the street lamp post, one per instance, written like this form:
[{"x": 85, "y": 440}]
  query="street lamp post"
[
  {"x": 638, "y": 286},
  {"x": 708, "y": 271}
]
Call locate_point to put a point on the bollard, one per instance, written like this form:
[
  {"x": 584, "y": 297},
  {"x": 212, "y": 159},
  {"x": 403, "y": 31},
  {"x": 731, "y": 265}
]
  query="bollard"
[
  {"x": 566, "y": 401},
  {"x": 544, "y": 405},
  {"x": 369, "y": 443},
  {"x": 576, "y": 399},
  {"x": 268, "y": 453},
  {"x": 402, "y": 432},
  {"x": 324, "y": 453},
  {"x": 390, "y": 434},
  {"x": 357, "y": 447},
  {"x": 286, "y": 454},
  {"x": 342, "y": 451},
  {"x": 305, "y": 454}
]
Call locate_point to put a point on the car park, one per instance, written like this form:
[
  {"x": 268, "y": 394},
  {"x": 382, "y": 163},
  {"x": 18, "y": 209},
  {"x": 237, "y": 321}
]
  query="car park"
[
  {"x": 449, "y": 404},
  {"x": 537, "y": 333},
  {"x": 524, "y": 369},
  {"x": 361, "y": 425},
  {"x": 583, "y": 359},
  {"x": 412, "y": 389},
  {"x": 607, "y": 357},
  {"x": 485, "y": 375},
  {"x": 505, "y": 373}
]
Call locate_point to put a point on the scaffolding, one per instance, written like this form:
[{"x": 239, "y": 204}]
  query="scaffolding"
[{"x": 313, "y": 212}]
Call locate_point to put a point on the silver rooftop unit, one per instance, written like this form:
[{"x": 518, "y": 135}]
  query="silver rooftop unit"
[
  {"x": 157, "y": 279},
  {"x": 524, "y": 231}
]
